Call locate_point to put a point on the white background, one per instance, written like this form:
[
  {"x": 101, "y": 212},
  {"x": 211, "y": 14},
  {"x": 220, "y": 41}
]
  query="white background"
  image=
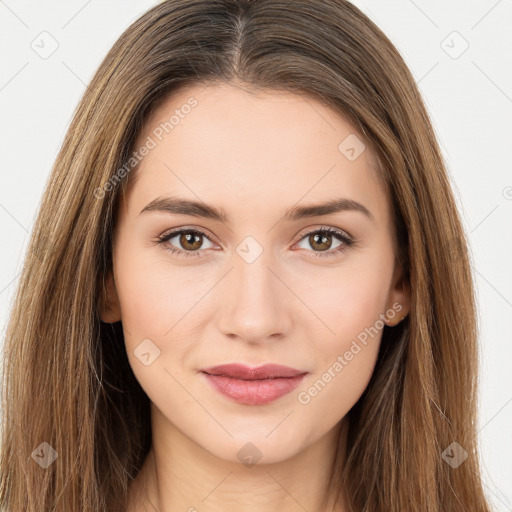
[{"x": 469, "y": 99}]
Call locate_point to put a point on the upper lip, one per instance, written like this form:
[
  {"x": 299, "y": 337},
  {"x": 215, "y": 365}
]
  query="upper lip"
[{"x": 240, "y": 371}]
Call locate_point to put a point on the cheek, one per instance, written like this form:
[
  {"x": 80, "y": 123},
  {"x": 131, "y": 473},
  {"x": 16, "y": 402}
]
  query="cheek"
[
  {"x": 332, "y": 392},
  {"x": 346, "y": 357},
  {"x": 351, "y": 306},
  {"x": 156, "y": 304},
  {"x": 351, "y": 301},
  {"x": 155, "y": 296},
  {"x": 155, "y": 300}
]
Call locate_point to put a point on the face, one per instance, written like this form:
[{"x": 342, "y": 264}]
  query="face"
[{"x": 261, "y": 281}]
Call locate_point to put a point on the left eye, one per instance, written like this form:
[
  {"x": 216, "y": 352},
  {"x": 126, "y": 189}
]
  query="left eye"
[
  {"x": 191, "y": 241},
  {"x": 322, "y": 239}
]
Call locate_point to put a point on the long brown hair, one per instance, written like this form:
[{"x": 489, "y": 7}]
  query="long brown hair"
[{"x": 66, "y": 377}]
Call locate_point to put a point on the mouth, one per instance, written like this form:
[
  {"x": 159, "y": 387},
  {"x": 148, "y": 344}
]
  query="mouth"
[{"x": 253, "y": 386}]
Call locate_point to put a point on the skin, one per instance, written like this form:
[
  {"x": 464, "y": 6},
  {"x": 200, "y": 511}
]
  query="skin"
[{"x": 254, "y": 156}]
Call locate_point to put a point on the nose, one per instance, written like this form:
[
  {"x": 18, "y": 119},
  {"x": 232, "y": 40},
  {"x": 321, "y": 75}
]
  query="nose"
[{"x": 254, "y": 302}]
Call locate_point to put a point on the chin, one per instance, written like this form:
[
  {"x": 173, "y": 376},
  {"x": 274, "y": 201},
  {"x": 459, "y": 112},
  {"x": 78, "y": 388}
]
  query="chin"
[{"x": 249, "y": 448}]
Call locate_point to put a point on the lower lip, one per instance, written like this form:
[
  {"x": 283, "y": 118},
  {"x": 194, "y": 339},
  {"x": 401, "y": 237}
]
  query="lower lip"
[{"x": 253, "y": 392}]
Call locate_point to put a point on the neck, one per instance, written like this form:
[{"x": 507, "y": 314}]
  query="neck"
[{"x": 178, "y": 474}]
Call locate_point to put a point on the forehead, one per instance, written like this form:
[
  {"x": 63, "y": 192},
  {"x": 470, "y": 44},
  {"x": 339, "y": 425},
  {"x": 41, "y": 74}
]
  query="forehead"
[{"x": 224, "y": 144}]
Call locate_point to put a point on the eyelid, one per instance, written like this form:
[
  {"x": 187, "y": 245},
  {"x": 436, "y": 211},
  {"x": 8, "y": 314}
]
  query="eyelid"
[
  {"x": 329, "y": 229},
  {"x": 345, "y": 238},
  {"x": 175, "y": 231},
  {"x": 164, "y": 238}
]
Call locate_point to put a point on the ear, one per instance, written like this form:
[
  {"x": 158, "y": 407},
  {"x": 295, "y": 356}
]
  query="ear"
[
  {"x": 399, "y": 299},
  {"x": 109, "y": 307}
]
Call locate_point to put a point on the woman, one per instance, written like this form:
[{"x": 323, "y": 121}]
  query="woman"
[{"x": 241, "y": 292}]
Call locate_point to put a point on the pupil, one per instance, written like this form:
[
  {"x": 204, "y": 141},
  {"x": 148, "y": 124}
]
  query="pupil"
[
  {"x": 323, "y": 240},
  {"x": 189, "y": 239}
]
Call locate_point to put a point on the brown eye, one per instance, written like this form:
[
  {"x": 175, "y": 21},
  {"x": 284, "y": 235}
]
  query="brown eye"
[
  {"x": 321, "y": 241},
  {"x": 190, "y": 240}
]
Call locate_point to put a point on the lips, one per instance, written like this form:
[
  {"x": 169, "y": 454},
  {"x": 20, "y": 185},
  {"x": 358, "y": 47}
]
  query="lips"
[
  {"x": 253, "y": 386},
  {"x": 267, "y": 371}
]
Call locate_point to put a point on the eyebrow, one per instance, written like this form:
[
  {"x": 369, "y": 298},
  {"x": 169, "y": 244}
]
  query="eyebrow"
[{"x": 181, "y": 206}]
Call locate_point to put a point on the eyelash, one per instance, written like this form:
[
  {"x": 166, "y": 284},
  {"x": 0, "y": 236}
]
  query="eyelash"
[{"x": 180, "y": 253}]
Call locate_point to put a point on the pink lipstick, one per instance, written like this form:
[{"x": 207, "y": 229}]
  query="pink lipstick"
[{"x": 253, "y": 386}]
